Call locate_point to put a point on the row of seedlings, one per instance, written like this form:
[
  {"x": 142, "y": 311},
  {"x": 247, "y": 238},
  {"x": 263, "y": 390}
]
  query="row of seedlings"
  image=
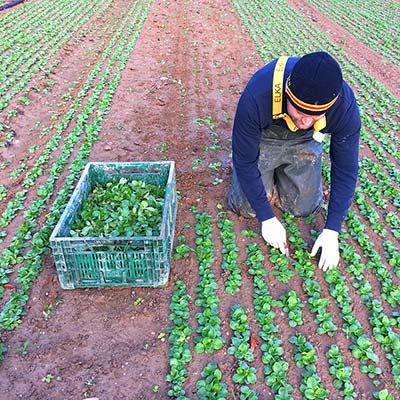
[
  {"x": 275, "y": 366},
  {"x": 12, "y": 312},
  {"x": 306, "y": 358},
  {"x": 362, "y": 345},
  {"x": 381, "y": 323},
  {"x": 178, "y": 338},
  {"x": 95, "y": 107},
  {"x": 209, "y": 329},
  {"x": 35, "y": 58},
  {"x": 230, "y": 253},
  {"x": 366, "y": 22},
  {"x": 389, "y": 289},
  {"x": 53, "y": 144},
  {"x": 240, "y": 348}
]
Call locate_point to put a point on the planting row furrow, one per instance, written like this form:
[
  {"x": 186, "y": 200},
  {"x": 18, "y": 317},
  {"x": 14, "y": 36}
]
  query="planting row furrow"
[
  {"x": 13, "y": 254},
  {"x": 52, "y": 146},
  {"x": 211, "y": 386},
  {"x": 306, "y": 358},
  {"x": 178, "y": 338},
  {"x": 39, "y": 61},
  {"x": 372, "y": 23},
  {"x": 12, "y": 312},
  {"x": 242, "y": 352},
  {"x": 362, "y": 345},
  {"x": 306, "y": 270},
  {"x": 37, "y": 46},
  {"x": 381, "y": 323},
  {"x": 381, "y": 155},
  {"x": 381, "y": 187},
  {"x": 15, "y": 39},
  {"x": 27, "y": 12},
  {"x": 230, "y": 253},
  {"x": 341, "y": 373}
]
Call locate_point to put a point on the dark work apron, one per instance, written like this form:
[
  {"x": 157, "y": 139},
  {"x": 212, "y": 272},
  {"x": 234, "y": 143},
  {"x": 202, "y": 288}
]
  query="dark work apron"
[{"x": 290, "y": 167}]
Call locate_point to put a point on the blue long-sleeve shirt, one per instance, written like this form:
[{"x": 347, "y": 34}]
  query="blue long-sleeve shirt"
[{"x": 254, "y": 114}]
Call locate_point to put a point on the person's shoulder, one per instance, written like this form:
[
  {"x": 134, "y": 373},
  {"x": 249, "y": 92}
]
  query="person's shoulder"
[
  {"x": 348, "y": 92},
  {"x": 261, "y": 80},
  {"x": 344, "y": 115},
  {"x": 347, "y": 99}
]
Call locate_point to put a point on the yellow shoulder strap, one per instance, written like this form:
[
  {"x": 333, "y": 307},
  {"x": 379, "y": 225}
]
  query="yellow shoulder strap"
[
  {"x": 277, "y": 100},
  {"x": 277, "y": 86},
  {"x": 277, "y": 93}
]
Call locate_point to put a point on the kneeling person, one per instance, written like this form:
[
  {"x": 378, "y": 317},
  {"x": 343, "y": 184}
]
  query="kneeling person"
[{"x": 282, "y": 117}]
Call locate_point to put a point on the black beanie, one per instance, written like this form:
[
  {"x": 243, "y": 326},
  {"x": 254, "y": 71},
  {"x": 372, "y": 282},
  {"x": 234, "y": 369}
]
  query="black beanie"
[{"x": 314, "y": 83}]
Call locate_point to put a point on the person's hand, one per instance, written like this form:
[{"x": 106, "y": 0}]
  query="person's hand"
[
  {"x": 329, "y": 244},
  {"x": 274, "y": 234}
]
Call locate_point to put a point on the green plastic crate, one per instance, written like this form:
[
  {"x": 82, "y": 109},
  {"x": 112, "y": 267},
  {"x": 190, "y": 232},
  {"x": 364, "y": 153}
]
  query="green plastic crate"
[{"x": 117, "y": 261}]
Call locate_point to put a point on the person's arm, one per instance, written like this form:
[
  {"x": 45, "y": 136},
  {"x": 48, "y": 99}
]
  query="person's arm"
[
  {"x": 245, "y": 153},
  {"x": 344, "y": 151},
  {"x": 344, "y": 171}
]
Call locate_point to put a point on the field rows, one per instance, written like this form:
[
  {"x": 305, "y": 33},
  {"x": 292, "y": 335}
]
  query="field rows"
[
  {"x": 374, "y": 23},
  {"x": 365, "y": 269},
  {"x": 273, "y": 342},
  {"x": 87, "y": 111}
]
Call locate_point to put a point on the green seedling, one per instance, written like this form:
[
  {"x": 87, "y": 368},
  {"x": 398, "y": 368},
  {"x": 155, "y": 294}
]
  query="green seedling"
[
  {"x": 182, "y": 250},
  {"x": 178, "y": 337},
  {"x": 23, "y": 349},
  {"x": 89, "y": 381},
  {"x": 24, "y": 100},
  {"x": 47, "y": 310},
  {"x": 138, "y": 301},
  {"x": 3, "y": 349},
  {"x": 205, "y": 121},
  {"x": 48, "y": 378},
  {"x": 217, "y": 181},
  {"x": 244, "y": 374},
  {"x": 3, "y": 192},
  {"x": 214, "y": 166},
  {"x": 195, "y": 164},
  {"x": 383, "y": 395},
  {"x": 211, "y": 386},
  {"x": 248, "y": 233}
]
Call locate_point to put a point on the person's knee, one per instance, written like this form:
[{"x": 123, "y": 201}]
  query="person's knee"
[
  {"x": 239, "y": 204},
  {"x": 300, "y": 204},
  {"x": 306, "y": 207}
]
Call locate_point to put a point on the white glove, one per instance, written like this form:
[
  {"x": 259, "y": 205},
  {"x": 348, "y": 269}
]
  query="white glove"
[
  {"x": 274, "y": 234},
  {"x": 329, "y": 244}
]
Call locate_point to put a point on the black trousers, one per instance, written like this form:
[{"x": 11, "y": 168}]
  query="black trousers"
[{"x": 290, "y": 165}]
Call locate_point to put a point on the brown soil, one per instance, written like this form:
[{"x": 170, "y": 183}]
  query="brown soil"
[{"x": 192, "y": 60}]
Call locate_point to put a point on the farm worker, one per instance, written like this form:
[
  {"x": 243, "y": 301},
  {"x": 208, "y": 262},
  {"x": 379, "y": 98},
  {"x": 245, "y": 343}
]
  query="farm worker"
[{"x": 282, "y": 117}]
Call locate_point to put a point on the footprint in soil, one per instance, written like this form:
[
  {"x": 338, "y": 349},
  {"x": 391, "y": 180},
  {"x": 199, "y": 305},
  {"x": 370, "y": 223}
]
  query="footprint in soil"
[{"x": 119, "y": 353}]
